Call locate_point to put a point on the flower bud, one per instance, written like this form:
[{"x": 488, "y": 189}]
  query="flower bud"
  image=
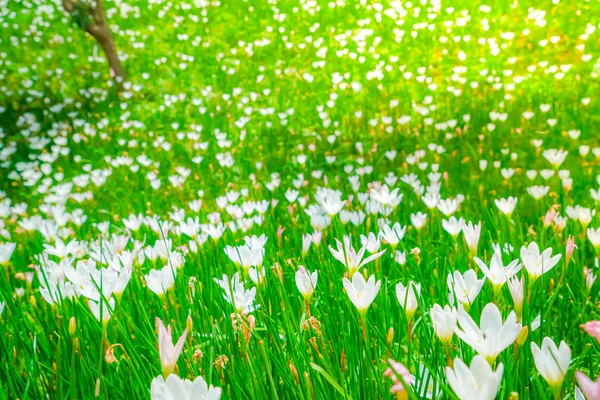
[
  {"x": 72, "y": 326},
  {"x": 390, "y": 336},
  {"x": 523, "y": 335}
]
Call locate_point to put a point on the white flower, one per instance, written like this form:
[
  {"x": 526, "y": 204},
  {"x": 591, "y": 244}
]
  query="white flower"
[
  {"x": 448, "y": 206},
  {"x": 307, "y": 240},
  {"x": 246, "y": 256},
  {"x": 306, "y": 282},
  {"x": 332, "y": 205},
  {"x": 537, "y": 192},
  {"x": 431, "y": 200},
  {"x": 103, "y": 313},
  {"x": 464, "y": 287},
  {"x": 159, "y": 281},
  {"x": 175, "y": 388},
  {"x": 506, "y": 206},
  {"x": 257, "y": 275},
  {"x": 60, "y": 249},
  {"x": 256, "y": 242},
  {"x": 585, "y": 216},
  {"x": 497, "y": 273},
  {"x": 444, "y": 321},
  {"x": 349, "y": 257},
  {"x": 594, "y": 236},
  {"x": 418, "y": 220},
  {"x": 393, "y": 235},
  {"x": 453, "y": 226},
  {"x": 407, "y": 297},
  {"x": 555, "y": 157},
  {"x": 535, "y": 263},
  {"x": 547, "y": 173},
  {"x": 517, "y": 292},
  {"x": 493, "y": 336},
  {"x": 236, "y": 294},
  {"x": 385, "y": 197},
  {"x": 471, "y": 234},
  {"x": 477, "y": 382},
  {"x": 372, "y": 242},
  {"x": 399, "y": 257},
  {"x": 133, "y": 222},
  {"x": 6, "y": 251},
  {"x": 361, "y": 293},
  {"x": 552, "y": 362}
]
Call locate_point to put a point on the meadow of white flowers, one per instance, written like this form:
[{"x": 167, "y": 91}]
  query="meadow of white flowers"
[{"x": 301, "y": 200}]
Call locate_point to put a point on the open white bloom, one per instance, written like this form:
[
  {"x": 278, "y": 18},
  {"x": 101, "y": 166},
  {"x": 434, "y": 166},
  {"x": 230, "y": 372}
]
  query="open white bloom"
[
  {"x": 104, "y": 312},
  {"x": 6, "y": 251},
  {"x": 448, "y": 206},
  {"x": 349, "y": 257},
  {"x": 332, "y": 205},
  {"x": 555, "y": 157},
  {"x": 464, "y": 287},
  {"x": 444, "y": 321},
  {"x": 246, "y": 256},
  {"x": 537, "y": 263},
  {"x": 537, "y": 192},
  {"x": 393, "y": 235},
  {"x": 453, "y": 226},
  {"x": 159, "y": 281},
  {"x": 236, "y": 294},
  {"x": 407, "y": 297},
  {"x": 431, "y": 200},
  {"x": 61, "y": 249},
  {"x": 471, "y": 234},
  {"x": 133, "y": 222},
  {"x": 506, "y": 206},
  {"x": 477, "y": 382},
  {"x": 175, "y": 388},
  {"x": 594, "y": 237},
  {"x": 306, "y": 282},
  {"x": 492, "y": 336},
  {"x": 257, "y": 275},
  {"x": 256, "y": 242},
  {"x": 582, "y": 214},
  {"x": 372, "y": 242},
  {"x": 552, "y": 362},
  {"x": 361, "y": 292},
  {"x": 497, "y": 273},
  {"x": 385, "y": 197},
  {"x": 586, "y": 216},
  {"x": 418, "y": 220},
  {"x": 399, "y": 257}
]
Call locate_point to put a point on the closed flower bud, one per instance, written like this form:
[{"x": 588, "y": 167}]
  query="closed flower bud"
[{"x": 72, "y": 326}]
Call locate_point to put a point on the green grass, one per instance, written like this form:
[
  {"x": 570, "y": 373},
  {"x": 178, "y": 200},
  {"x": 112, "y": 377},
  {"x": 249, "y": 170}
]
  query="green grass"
[{"x": 287, "y": 85}]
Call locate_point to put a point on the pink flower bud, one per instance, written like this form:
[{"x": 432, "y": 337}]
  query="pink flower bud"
[
  {"x": 570, "y": 247},
  {"x": 550, "y": 215},
  {"x": 592, "y": 328}
]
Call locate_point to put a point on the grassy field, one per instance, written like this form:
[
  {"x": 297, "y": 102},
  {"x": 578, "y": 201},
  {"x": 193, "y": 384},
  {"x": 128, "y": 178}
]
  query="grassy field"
[{"x": 258, "y": 142}]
